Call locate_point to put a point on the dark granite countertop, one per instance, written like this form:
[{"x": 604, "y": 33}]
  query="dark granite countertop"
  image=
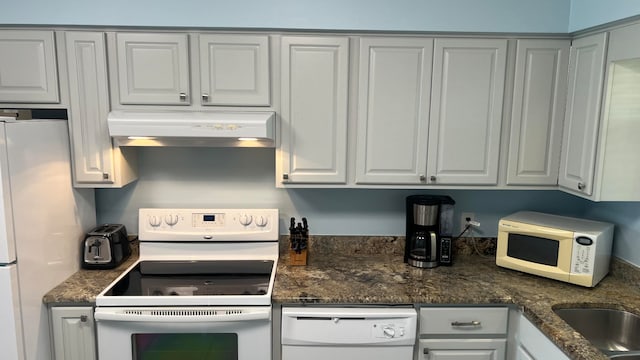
[{"x": 370, "y": 270}]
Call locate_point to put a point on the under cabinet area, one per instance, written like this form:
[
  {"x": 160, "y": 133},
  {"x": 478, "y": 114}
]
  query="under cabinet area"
[
  {"x": 179, "y": 69},
  {"x": 313, "y": 128},
  {"x": 463, "y": 333},
  {"x": 28, "y": 67},
  {"x": 73, "y": 333},
  {"x": 97, "y": 162}
]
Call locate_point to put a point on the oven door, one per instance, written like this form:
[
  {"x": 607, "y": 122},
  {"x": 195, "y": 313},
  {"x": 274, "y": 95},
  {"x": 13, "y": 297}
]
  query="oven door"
[{"x": 186, "y": 333}]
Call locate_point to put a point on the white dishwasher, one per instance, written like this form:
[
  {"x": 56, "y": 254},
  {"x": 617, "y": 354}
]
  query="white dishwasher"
[{"x": 372, "y": 333}]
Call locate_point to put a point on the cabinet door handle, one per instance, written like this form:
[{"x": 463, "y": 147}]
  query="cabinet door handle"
[
  {"x": 105, "y": 176},
  {"x": 183, "y": 96},
  {"x": 432, "y": 178},
  {"x": 205, "y": 97},
  {"x": 580, "y": 186},
  {"x": 473, "y": 323},
  {"x": 84, "y": 318},
  {"x": 285, "y": 176},
  {"x": 422, "y": 177}
]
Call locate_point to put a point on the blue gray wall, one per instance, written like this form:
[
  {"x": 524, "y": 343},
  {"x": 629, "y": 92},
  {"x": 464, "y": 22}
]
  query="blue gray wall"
[
  {"x": 587, "y": 13},
  {"x": 409, "y": 15}
]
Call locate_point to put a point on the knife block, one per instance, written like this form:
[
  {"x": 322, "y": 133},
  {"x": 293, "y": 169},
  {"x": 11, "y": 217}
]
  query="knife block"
[
  {"x": 299, "y": 241},
  {"x": 298, "y": 259}
]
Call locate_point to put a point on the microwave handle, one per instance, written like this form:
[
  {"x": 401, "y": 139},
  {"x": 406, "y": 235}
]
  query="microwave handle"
[{"x": 178, "y": 315}]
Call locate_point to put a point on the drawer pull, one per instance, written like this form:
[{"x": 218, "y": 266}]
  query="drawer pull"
[{"x": 466, "y": 323}]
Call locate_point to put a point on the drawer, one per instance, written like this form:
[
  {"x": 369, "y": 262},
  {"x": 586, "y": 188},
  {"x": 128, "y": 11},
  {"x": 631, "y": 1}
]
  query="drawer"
[{"x": 464, "y": 320}]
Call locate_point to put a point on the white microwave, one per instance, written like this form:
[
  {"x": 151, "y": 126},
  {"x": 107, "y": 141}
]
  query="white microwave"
[{"x": 568, "y": 249}]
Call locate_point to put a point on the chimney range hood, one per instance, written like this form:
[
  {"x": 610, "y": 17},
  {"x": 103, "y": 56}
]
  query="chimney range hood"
[{"x": 193, "y": 128}]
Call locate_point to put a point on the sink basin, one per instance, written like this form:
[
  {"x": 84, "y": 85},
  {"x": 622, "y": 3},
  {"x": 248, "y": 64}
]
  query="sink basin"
[
  {"x": 624, "y": 356},
  {"x": 611, "y": 331}
]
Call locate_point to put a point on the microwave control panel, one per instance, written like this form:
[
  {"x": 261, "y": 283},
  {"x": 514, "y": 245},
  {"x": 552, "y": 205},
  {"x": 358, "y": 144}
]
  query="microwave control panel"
[{"x": 583, "y": 257}]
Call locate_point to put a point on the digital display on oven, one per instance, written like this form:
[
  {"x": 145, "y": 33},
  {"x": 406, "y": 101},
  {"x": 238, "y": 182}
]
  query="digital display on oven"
[
  {"x": 208, "y": 220},
  {"x": 185, "y": 346}
]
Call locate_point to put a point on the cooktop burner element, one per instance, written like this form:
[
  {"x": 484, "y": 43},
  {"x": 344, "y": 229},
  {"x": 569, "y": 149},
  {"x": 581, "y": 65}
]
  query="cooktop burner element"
[
  {"x": 200, "y": 257},
  {"x": 195, "y": 278}
]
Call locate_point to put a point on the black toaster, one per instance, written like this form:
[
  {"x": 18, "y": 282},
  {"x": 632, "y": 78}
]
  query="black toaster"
[{"x": 105, "y": 247}]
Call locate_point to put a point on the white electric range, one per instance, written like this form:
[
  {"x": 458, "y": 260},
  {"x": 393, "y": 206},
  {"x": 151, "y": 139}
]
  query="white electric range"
[{"x": 201, "y": 288}]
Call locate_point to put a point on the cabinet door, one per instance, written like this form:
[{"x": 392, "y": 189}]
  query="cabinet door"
[
  {"x": 579, "y": 140},
  {"x": 73, "y": 333},
  {"x": 234, "y": 70},
  {"x": 539, "y": 97},
  {"x": 462, "y": 349},
  {"x": 96, "y": 161},
  {"x": 314, "y": 109},
  {"x": 153, "y": 68},
  {"x": 86, "y": 58},
  {"x": 28, "y": 72},
  {"x": 532, "y": 344},
  {"x": 393, "y": 110},
  {"x": 466, "y": 111}
]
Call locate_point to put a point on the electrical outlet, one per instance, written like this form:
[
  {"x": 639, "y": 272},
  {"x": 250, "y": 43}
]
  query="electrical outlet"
[{"x": 463, "y": 219}]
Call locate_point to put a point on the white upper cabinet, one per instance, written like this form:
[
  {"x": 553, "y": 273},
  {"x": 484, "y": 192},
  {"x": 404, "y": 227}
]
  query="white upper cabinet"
[
  {"x": 393, "y": 110},
  {"x": 234, "y": 69},
  {"x": 617, "y": 176},
  {"x": 28, "y": 72},
  {"x": 160, "y": 69},
  {"x": 96, "y": 162},
  {"x": 314, "y": 110},
  {"x": 582, "y": 116},
  {"x": 466, "y": 111},
  {"x": 537, "y": 112},
  {"x": 153, "y": 69}
]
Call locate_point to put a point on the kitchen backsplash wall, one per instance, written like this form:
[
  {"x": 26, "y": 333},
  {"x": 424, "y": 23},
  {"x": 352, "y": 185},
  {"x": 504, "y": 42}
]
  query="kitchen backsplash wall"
[{"x": 241, "y": 177}]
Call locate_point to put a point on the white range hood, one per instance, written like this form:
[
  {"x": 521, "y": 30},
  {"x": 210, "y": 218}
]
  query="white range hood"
[{"x": 193, "y": 128}]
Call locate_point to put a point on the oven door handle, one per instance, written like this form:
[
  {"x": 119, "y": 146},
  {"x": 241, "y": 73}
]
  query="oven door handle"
[{"x": 180, "y": 315}]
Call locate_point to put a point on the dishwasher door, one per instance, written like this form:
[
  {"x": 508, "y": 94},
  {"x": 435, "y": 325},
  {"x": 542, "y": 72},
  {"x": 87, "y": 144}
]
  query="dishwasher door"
[{"x": 375, "y": 333}]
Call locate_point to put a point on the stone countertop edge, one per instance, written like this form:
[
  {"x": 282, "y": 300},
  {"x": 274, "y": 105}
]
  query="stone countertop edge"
[{"x": 371, "y": 271}]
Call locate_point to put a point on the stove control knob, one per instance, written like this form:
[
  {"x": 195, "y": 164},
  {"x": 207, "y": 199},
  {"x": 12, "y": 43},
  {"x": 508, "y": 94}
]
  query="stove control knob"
[
  {"x": 155, "y": 221},
  {"x": 171, "y": 219},
  {"x": 245, "y": 219},
  {"x": 262, "y": 221}
]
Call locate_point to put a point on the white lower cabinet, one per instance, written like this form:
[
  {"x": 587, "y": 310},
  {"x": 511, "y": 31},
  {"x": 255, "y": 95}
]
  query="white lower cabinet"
[
  {"x": 531, "y": 344},
  {"x": 73, "y": 334},
  {"x": 462, "y": 349},
  {"x": 463, "y": 333}
]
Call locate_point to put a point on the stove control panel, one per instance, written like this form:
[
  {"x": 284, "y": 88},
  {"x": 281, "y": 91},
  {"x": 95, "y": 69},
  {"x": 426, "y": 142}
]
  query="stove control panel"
[{"x": 208, "y": 224}]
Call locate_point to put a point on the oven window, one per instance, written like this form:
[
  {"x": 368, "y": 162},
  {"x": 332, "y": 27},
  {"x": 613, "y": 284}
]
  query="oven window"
[
  {"x": 185, "y": 346},
  {"x": 533, "y": 249}
]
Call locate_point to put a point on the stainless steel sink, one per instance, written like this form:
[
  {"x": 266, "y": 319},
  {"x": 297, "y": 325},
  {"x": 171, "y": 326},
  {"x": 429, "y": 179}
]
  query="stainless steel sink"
[
  {"x": 614, "y": 332},
  {"x": 623, "y": 356}
]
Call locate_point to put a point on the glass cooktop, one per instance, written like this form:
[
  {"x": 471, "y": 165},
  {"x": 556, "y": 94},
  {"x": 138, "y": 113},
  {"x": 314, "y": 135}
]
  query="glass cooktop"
[{"x": 195, "y": 278}]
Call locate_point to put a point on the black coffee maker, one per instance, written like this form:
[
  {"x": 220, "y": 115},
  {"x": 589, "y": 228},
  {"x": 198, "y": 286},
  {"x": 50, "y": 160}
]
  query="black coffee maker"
[{"x": 429, "y": 230}]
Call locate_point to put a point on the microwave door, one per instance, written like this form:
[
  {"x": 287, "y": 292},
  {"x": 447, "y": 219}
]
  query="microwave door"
[{"x": 537, "y": 250}]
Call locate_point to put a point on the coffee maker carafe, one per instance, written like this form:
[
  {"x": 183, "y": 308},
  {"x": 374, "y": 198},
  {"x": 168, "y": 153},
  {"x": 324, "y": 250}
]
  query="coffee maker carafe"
[{"x": 429, "y": 229}]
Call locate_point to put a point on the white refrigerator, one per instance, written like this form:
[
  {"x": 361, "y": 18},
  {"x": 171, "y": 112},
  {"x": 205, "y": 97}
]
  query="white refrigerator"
[{"x": 42, "y": 222}]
